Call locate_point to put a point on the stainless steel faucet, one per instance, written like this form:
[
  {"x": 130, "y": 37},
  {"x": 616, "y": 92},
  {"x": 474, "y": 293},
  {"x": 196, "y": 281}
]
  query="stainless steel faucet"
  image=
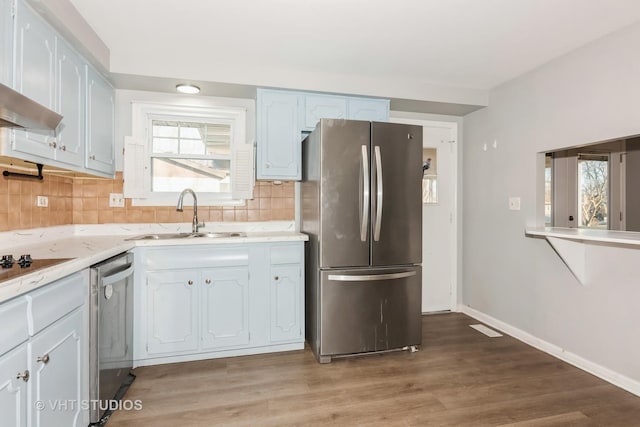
[{"x": 194, "y": 224}]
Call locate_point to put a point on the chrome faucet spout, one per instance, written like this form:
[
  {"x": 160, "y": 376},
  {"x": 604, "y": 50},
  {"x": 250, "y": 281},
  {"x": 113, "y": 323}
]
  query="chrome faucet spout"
[{"x": 194, "y": 223}]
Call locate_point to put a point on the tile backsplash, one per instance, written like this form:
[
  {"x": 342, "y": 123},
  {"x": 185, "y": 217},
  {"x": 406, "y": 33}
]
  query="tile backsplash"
[
  {"x": 18, "y": 202},
  {"x": 86, "y": 201}
]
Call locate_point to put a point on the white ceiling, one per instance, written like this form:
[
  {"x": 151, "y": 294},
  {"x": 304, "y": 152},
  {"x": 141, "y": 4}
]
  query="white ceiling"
[{"x": 427, "y": 50}]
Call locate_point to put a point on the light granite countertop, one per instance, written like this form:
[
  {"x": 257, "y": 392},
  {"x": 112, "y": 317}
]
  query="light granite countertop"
[{"x": 86, "y": 245}]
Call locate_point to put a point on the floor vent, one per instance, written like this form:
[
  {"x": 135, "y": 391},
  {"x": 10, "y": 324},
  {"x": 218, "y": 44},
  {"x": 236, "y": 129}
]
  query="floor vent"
[{"x": 487, "y": 331}]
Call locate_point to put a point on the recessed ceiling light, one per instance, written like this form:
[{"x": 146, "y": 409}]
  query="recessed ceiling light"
[{"x": 185, "y": 88}]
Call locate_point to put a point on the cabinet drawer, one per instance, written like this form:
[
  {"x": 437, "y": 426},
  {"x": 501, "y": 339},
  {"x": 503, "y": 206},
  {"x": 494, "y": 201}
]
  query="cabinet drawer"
[
  {"x": 181, "y": 257},
  {"x": 13, "y": 318},
  {"x": 55, "y": 301},
  {"x": 286, "y": 254}
]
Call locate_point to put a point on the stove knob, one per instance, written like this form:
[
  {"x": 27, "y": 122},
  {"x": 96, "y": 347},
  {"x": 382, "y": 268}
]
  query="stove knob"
[
  {"x": 7, "y": 261},
  {"x": 25, "y": 261},
  {"x": 25, "y": 258}
]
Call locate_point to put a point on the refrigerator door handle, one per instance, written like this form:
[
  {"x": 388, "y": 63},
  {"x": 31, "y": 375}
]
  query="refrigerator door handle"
[
  {"x": 370, "y": 277},
  {"x": 379, "y": 195},
  {"x": 366, "y": 190}
]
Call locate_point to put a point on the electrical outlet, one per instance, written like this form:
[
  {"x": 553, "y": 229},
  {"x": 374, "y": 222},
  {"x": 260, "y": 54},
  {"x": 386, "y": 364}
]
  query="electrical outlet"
[
  {"x": 514, "y": 203},
  {"x": 42, "y": 201},
  {"x": 116, "y": 200}
]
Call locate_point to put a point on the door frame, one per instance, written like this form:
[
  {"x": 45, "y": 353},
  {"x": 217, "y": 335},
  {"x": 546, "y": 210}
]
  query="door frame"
[{"x": 453, "y": 126}]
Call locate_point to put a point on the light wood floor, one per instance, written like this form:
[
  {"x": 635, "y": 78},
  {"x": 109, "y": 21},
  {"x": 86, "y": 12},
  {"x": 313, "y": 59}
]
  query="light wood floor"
[{"x": 460, "y": 377}]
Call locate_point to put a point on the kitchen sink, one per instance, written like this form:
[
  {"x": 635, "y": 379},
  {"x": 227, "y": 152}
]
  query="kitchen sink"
[
  {"x": 214, "y": 235},
  {"x": 165, "y": 236}
]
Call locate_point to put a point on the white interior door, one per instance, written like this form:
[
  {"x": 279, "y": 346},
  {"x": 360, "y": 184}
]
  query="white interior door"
[{"x": 438, "y": 218}]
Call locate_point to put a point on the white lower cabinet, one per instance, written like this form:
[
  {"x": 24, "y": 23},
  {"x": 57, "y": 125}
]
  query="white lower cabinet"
[
  {"x": 44, "y": 356},
  {"x": 204, "y": 301},
  {"x": 225, "y": 308},
  {"x": 14, "y": 381},
  {"x": 172, "y": 312},
  {"x": 286, "y": 292},
  {"x": 192, "y": 310},
  {"x": 286, "y": 303},
  {"x": 56, "y": 365}
]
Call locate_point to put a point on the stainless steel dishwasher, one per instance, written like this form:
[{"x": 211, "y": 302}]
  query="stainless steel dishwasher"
[{"x": 111, "y": 333}]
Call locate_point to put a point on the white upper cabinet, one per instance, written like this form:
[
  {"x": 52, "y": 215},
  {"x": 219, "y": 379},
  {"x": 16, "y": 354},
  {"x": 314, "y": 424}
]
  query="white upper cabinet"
[
  {"x": 374, "y": 110},
  {"x": 71, "y": 102},
  {"x": 35, "y": 66},
  {"x": 6, "y": 42},
  {"x": 100, "y": 154},
  {"x": 284, "y": 117},
  {"x": 279, "y": 136},
  {"x": 323, "y": 107},
  {"x": 40, "y": 64},
  {"x": 35, "y": 77}
]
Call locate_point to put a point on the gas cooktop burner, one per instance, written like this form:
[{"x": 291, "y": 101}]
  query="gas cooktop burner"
[{"x": 11, "y": 268}]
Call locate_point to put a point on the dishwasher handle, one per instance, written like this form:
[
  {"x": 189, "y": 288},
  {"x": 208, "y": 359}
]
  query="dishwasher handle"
[{"x": 121, "y": 273}]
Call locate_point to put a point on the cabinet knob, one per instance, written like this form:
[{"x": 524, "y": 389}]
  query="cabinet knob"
[
  {"x": 24, "y": 375},
  {"x": 53, "y": 144},
  {"x": 92, "y": 157},
  {"x": 190, "y": 282},
  {"x": 267, "y": 165},
  {"x": 276, "y": 278},
  {"x": 44, "y": 359},
  {"x": 208, "y": 281},
  {"x": 63, "y": 147}
]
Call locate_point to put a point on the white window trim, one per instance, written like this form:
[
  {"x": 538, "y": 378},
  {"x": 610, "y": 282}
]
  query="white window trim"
[{"x": 137, "y": 179}]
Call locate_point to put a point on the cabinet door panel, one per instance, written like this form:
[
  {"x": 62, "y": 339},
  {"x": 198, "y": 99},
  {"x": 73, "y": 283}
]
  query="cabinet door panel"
[
  {"x": 13, "y": 391},
  {"x": 172, "y": 312},
  {"x": 375, "y": 110},
  {"x": 225, "y": 307},
  {"x": 35, "y": 56},
  {"x": 279, "y": 137},
  {"x": 286, "y": 303},
  {"x": 71, "y": 100},
  {"x": 100, "y": 123},
  {"x": 34, "y": 70},
  {"x": 56, "y": 360},
  {"x": 6, "y": 43},
  {"x": 323, "y": 107}
]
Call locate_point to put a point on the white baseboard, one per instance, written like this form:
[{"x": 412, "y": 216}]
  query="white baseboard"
[
  {"x": 247, "y": 351},
  {"x": 626, "y": 383}
]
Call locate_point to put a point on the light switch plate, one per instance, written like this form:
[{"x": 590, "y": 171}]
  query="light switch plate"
[
  {"x": 514, "y": 203},
  {"x": 42, "y": 201}
]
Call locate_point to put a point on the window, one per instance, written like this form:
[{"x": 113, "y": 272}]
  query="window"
[
  {"x": 593, "y": 191},
  {"x": 430, "y": 175},
  {"x": 548, "y": 189},
  {"x": 194, "y": 155},
  {"x": 176, "y": 147}
]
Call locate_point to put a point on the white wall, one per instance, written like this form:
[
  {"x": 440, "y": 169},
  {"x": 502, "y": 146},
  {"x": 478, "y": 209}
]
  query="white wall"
[{"x": 586, "y": 96}]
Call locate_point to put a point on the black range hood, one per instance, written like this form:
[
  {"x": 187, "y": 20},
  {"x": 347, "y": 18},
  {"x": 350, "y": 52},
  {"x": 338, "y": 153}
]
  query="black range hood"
[{"x": 18, "y": 111}]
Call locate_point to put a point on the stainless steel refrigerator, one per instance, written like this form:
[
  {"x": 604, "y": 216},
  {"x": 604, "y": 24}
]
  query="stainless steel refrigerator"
[{"x": 362, "y": 209}]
